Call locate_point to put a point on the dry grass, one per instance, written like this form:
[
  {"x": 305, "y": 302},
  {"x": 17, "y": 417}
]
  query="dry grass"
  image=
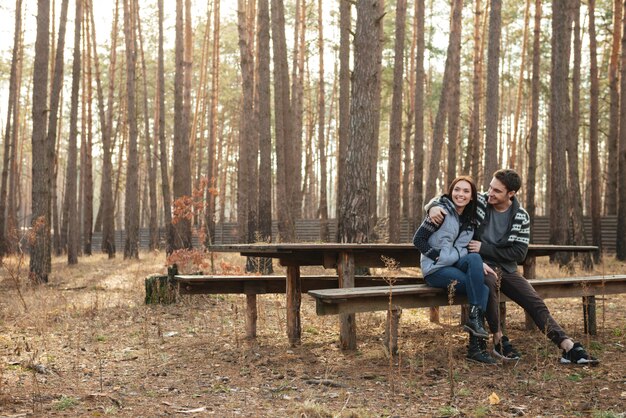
[{"x": 86, "y": 345}]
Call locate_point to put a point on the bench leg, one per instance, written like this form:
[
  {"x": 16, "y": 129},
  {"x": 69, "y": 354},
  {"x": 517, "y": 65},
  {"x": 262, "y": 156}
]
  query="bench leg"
[
  {"x": 294, "y": 299},
  {"x": 503, "y": 317},
  {"x": 589, "y": 314},
  {"x": 391, "y": 331},
  {"x": 251, "y": 316},
  {"x": 347, "y": 322},
  {"x": 434, "y": 314},
  {"x": 528, "y": 322}
]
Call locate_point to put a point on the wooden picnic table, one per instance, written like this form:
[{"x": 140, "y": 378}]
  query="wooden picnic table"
[{"x": 345, "y": 258}]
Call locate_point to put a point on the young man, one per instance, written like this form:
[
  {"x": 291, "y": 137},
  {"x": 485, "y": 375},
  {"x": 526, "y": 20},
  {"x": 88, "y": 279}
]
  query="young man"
[{"x": 502, "y": 240}]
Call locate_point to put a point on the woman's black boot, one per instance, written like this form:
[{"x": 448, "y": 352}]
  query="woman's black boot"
[
  {"x": 474, "y": 324},
  {"x": 477, "y": 351}
]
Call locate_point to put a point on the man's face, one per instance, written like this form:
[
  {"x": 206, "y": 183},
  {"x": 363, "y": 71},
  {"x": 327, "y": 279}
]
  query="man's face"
[{"x": 498, "y": 195}]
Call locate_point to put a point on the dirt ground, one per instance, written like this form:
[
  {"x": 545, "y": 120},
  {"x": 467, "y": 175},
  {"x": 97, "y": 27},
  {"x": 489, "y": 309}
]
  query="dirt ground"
[{"x": 87, "y": 345}]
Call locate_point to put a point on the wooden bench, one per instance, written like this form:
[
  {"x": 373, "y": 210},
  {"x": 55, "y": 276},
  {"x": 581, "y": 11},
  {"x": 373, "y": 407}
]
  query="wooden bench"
[
  {"x": 368, "y": 299},
  {"x": 166, "y": 289}
]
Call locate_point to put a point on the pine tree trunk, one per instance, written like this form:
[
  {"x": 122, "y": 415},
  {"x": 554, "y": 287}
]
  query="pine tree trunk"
[
  {"x": 345, "y": 26},
  {"x": 181, "y": 158},
  {"x": 395, "y": 127},
  {"x": 71, "y": 211},
  {"x": 284, "y": 126},
  {"x": 610, "y": 194},
  {"x": 131, "y": 202},
  {"x": 560, "y": 122},
  {"x": 163, "y": 145},
  {"x": 418, "y": 145},
  {"x": 491, "y": 163},
  {"x": 265, "y": 130},
  {"x": 594, "y": 160},
  {"x": 40, "y": 259},
  {"x": 321, "y": 140}
]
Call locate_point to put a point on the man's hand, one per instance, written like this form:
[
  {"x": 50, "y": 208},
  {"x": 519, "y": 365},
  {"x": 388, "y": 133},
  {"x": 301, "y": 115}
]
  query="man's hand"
[
  {"x": 474, "y": 246},
  {"x": 488, "y": 270},
  {"x": 437, "y": 214}
]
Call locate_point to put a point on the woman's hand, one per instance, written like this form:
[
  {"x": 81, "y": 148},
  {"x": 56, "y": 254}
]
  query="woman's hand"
[{"x": 488, "y": 270}]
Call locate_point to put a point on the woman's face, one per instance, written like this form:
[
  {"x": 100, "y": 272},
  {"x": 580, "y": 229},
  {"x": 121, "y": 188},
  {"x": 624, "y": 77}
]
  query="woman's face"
[{"x": 461, "y": 194}]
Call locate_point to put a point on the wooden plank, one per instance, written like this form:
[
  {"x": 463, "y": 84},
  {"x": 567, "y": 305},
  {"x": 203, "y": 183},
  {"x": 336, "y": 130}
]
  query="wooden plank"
[{"x": 341, "y": 301}]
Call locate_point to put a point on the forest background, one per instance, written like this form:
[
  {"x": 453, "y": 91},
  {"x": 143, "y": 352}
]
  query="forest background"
[{"x": 137, "y": 114}]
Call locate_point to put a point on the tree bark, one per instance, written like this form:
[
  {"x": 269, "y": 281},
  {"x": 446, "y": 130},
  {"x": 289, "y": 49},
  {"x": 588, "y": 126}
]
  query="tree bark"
[
  {"x": 345, "y": 25},
  {"x": 491, "y": 162},
  {"x": 594, "y": 113},
  {"x": 182, "y": 168},
  {"x": 620, "y": 245},
  {"x": 321, "y": 120},
  {"x": 284, "y": 126},
  {"x": 163, "y": 145},
  {"x": 131, "y": 202},
  {"x": 560, "y": 123},
  {"x": 71, "y": 209},
  {"x": 418, "y": 144},
  {"x": 610, "y": 195},
  {"x": 395, "y": 127}
]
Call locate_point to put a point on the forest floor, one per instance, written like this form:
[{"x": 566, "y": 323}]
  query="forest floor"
[{"x": 86, "y": 345}]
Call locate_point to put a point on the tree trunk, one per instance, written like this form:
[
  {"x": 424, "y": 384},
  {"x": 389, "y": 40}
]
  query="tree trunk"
[
  {"x": 442, "y": 112},
  {"x": 418, "y": 145},
  {"x": 560, "y": 123},
  {"x": 40, "y": 258},
  {"x": 131, "y": 203},
  {"x": 321, "y": 120},
  {"x": 620, "y": 245},
  {"x": 454, "y": 105},
  {"x": 163, "y": 145},
  {"x": 472, "y": 162},
  {"x": 246, "y": 123},
  {"x": 395, "y": 127},
  {"x": 6, "y": 234},
  {"x": 265, "y": 130},
  {"x": 594, "y": 113},
  {"x": 71, "y": 210},
  {"x": 345, "y": 27},
  {"x": 534, "y": 125},
  {"x": 491, "y": 163},
  {"x": 284, "y": 126},
  {"x": 153, "y": 226},
  {"x": 610, "y": 195},
  {"x": 211, "y": 192},
  {"x": 86, "y": 152},
  {"x": 182, "y": 168},
  {"x": 572, "y": 146},
  {"x": 354, "y": 211}
]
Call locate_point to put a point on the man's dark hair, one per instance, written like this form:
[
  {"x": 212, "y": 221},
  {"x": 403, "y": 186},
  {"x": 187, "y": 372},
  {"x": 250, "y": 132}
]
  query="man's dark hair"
[{"x": 509, "y": 178}]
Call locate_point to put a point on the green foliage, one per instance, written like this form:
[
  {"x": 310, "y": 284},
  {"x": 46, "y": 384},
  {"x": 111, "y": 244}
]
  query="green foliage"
[
  {"x": 448, "y": 411},
  {"x": 65, "y": 403}
]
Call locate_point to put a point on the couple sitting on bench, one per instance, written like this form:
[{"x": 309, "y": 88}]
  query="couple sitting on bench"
[{"x": 463, "y": 229}]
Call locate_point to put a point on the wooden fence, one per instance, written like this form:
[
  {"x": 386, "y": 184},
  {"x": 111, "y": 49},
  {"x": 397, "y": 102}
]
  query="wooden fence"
[{"x": 307, "y": 230}]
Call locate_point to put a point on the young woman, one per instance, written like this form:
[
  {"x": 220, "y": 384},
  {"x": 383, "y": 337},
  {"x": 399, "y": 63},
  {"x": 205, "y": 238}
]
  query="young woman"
[{"x": 445, "y": 259}]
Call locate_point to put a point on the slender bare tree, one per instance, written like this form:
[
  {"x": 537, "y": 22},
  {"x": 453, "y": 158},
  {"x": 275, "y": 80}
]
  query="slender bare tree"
[
  {"x": 131, "y": 202},
  {"x": 395, "y": 127},
  {"x": 492, "y": 106}
]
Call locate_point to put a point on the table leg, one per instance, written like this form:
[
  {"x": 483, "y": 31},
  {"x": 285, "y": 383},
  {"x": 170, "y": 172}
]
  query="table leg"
[
  {"x": 347, "y": 322},
  {"x": 251, "y": 316},
  {"x": 294, "y": 299}
]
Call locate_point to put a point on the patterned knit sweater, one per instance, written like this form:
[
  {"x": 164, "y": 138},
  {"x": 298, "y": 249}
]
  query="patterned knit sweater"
[{"x": 511, "y": 249}]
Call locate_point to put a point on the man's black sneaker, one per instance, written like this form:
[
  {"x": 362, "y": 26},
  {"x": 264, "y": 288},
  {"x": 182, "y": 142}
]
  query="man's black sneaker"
[
  {"x": 505, "y": 350},
  {"x": 578, "y": 355}
]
